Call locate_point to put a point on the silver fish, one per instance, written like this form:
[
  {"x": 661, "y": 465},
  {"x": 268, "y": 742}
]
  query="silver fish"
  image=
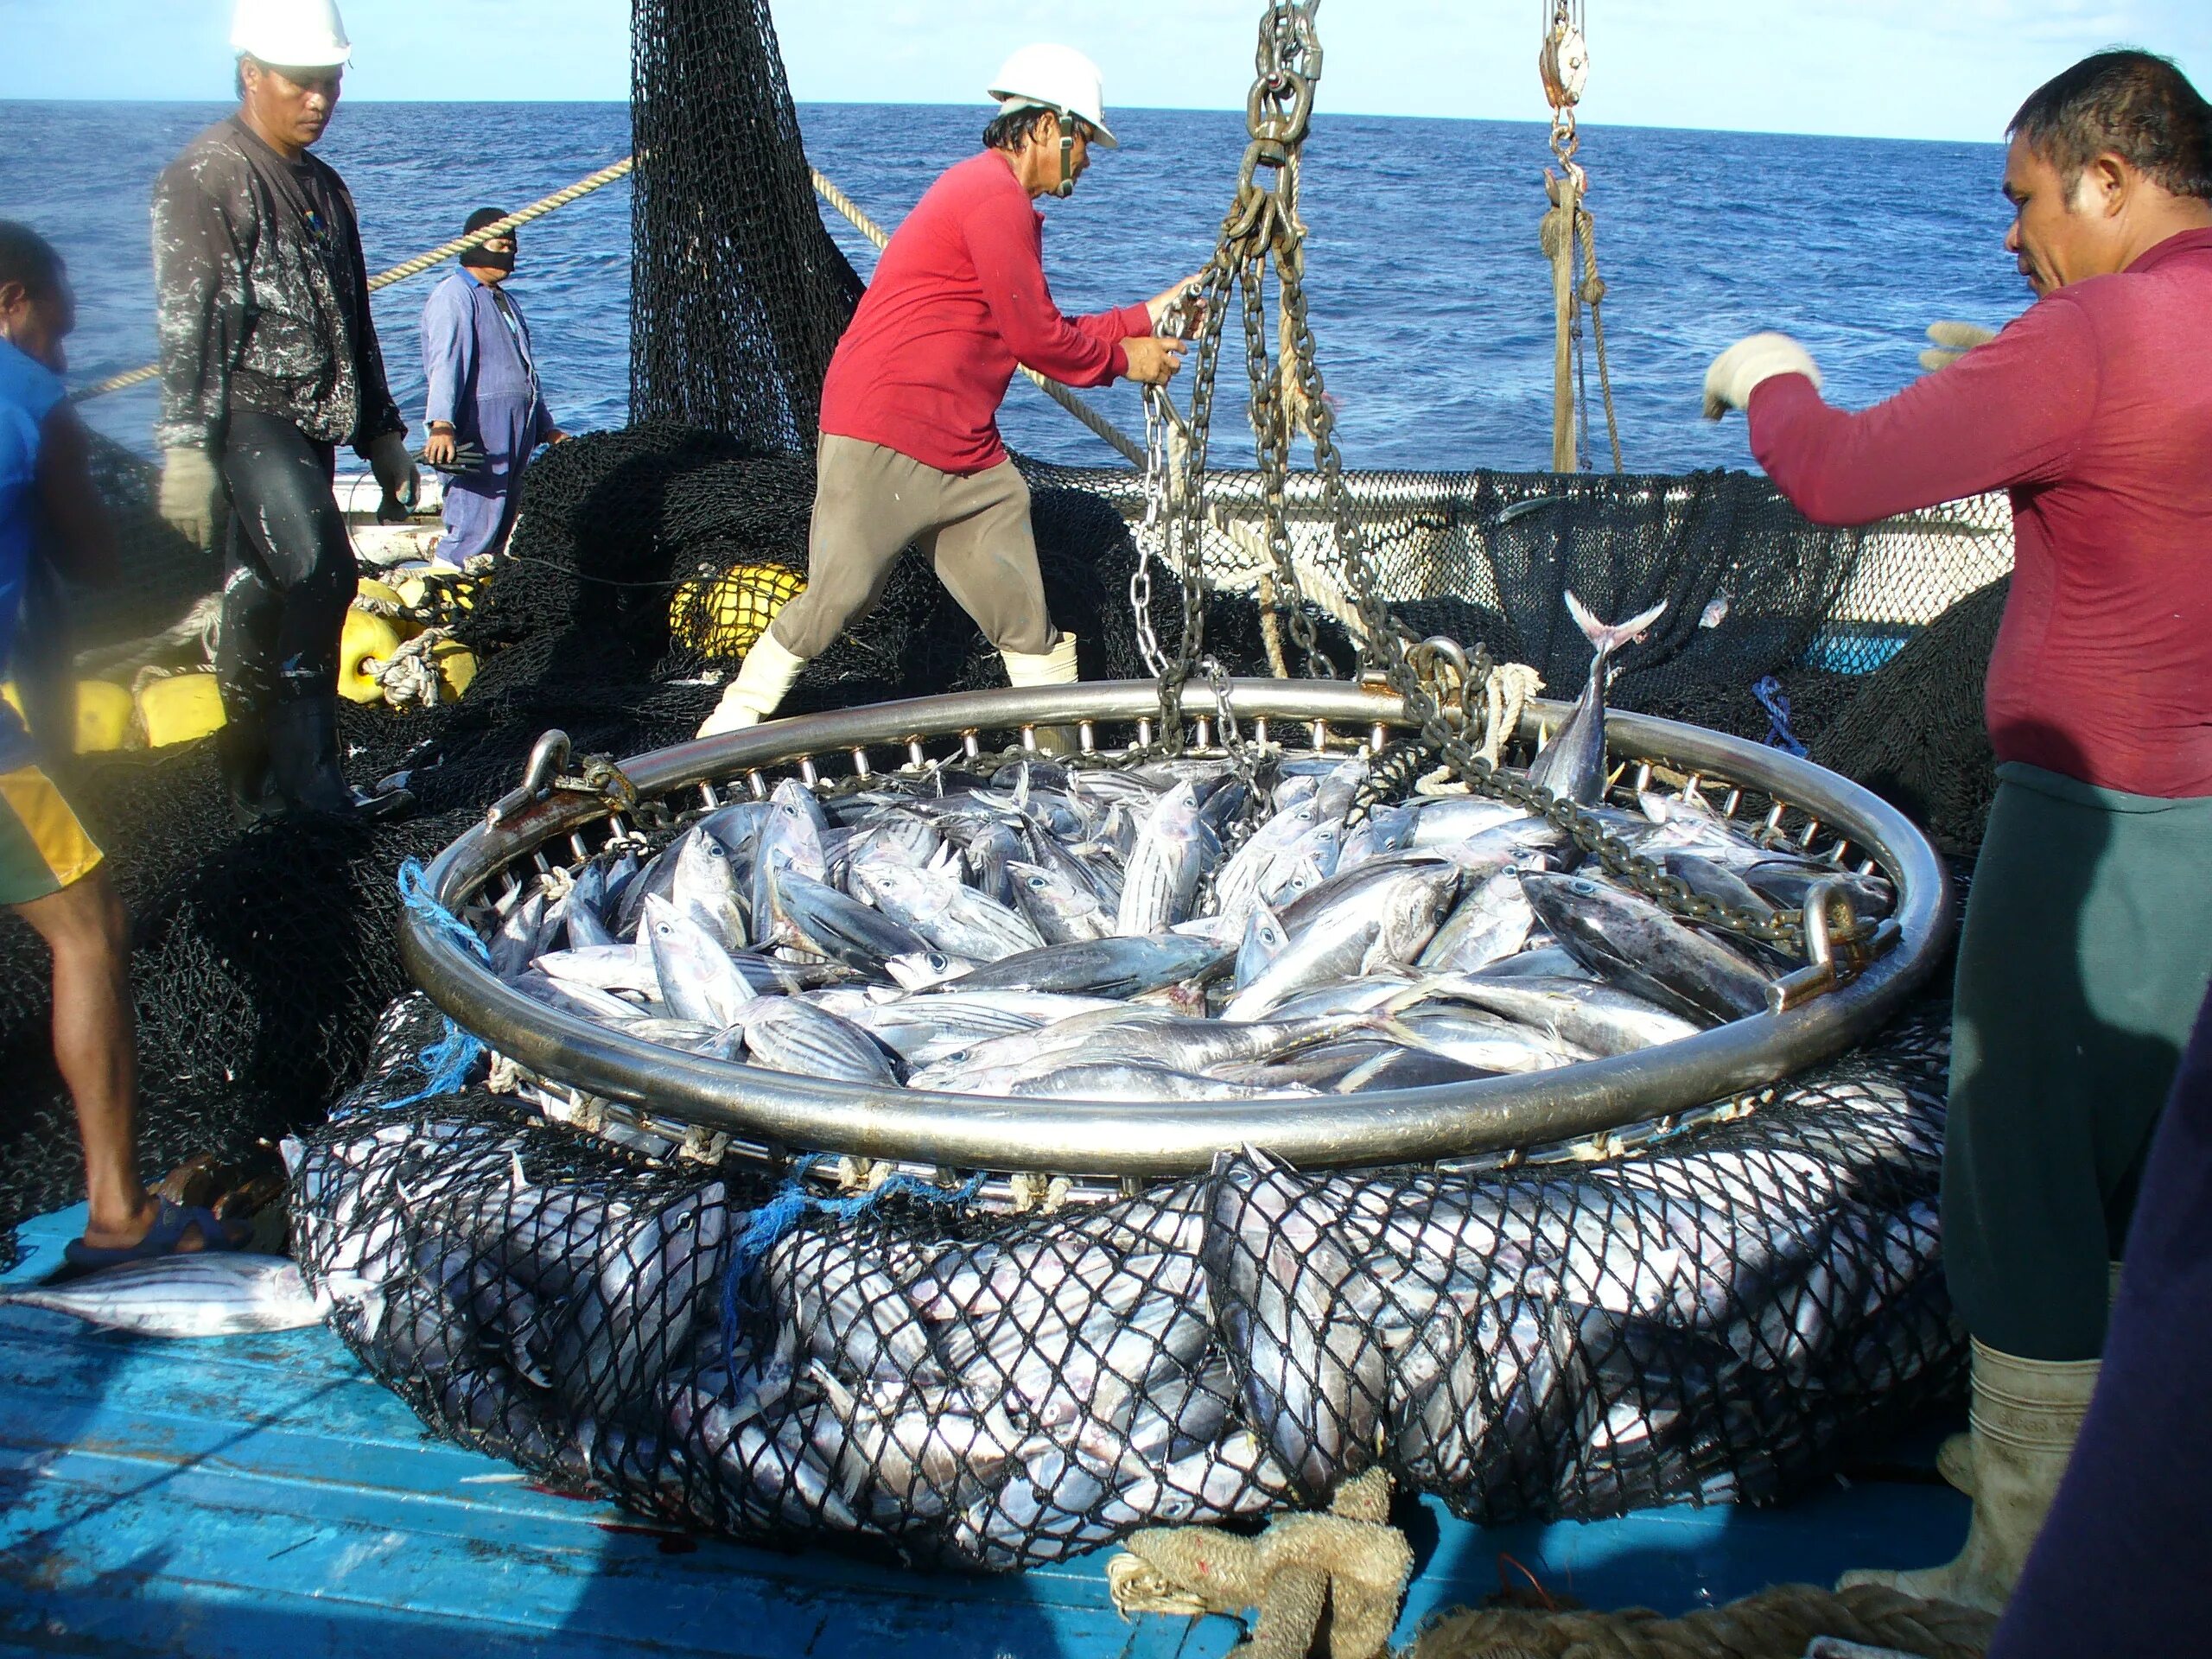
[
  {"x": 1117, "y": 967},
  {"x": 923, "y": 970},
  {"x": 1384, "y": 830},
  {"x": 1572, "y": 766},
  {"x": 201, "y": 1293},
  {"x": 1132, "y": 1080},
  {"x": 706, "y": 888},
  {"x": 520, "y": 936},
  {"x": 1598, "y": 1018},
  {"x": 1171, "y": 855},
  {"x": 1063, "y": 910},
  {"x": 581, "y": 909},
  {"x": 1491, "y": 922},
  {"x": 1264, "y": 940},
  {"x": 1237, "y": 887},
  {"x": 822, "y": 919},
  {"x": 1629, "y": 939},
  {"x": 697, "y": 979},
  {"x": 575, "y": 997},
  {"x": 788, "y": 1035},
  {"x": 604, "y": 968},
  {"x": 953, "y": 917},
  {"x": 1382, "y": 912}
]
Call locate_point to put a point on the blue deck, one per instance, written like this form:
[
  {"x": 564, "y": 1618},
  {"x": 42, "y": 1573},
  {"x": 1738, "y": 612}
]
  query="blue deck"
[{"x": 258, "y": 1496}]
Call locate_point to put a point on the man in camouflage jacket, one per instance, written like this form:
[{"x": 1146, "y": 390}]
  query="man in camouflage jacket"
[{"x": 270, "y": 361}]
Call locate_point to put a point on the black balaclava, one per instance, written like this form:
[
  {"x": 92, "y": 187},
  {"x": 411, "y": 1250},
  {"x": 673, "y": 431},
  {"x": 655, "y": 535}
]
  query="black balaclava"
[{"x": 484, "y": 258}]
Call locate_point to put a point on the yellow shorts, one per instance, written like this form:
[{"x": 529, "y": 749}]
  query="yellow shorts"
[{"x": 43, "y": 847}]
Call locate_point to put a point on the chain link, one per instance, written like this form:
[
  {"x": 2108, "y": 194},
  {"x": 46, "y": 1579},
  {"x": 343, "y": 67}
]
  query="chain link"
[{"x": 1440, "y": 685}]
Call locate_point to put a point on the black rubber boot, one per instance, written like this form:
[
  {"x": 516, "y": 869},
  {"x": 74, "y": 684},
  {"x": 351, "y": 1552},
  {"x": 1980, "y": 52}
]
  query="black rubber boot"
[
  {"x": 242, "y": 753},
  {"x": 303, "y": 757}
]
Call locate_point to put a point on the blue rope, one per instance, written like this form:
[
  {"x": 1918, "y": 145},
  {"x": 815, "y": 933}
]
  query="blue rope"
[
  {"x": 414, "y": 893},
  {"x": 776, "y": 1220},
  {"x": 1776, "y": 701},
  {"x": 447, "y": 1063}
]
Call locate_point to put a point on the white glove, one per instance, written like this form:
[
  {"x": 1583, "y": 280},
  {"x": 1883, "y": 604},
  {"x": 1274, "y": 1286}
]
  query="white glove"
[
  {"x": 191, "y": 496},
  {"x": 733, "y": 714},
  {"x": 1953, "y": 341},
  {"x": 1738, "y": 371},
  {"x": 395, "y": 472}
]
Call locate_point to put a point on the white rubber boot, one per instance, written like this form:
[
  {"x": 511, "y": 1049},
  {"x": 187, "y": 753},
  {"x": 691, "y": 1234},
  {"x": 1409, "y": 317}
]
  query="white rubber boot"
[
  {"x": 2023, "y": 1422},
  {"x": 1053, "y": 667},
  {"x": 1954, "y": 1458},
  {"x": 763, "y": 681}
]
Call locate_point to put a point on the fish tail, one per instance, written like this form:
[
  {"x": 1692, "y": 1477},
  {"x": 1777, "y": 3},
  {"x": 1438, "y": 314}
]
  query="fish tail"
[{"x": 1606, "y": 638}]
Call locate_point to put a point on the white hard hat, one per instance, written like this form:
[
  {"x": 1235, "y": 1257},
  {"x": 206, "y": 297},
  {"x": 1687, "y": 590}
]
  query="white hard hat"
[
  {"x": 1056, "y": 78},
  {"x": 291, "y": 34}
]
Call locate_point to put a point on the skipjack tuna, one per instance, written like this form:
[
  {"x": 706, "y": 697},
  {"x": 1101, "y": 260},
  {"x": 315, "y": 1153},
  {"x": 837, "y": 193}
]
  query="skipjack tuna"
[{"x": 1180, "y": 930}]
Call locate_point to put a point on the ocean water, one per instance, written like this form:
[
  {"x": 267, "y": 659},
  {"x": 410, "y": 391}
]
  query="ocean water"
[{"x": 1431, "y": 301}]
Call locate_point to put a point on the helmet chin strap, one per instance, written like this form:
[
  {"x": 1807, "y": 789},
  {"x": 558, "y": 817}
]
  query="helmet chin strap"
[{"x": 1066, "y": 187}]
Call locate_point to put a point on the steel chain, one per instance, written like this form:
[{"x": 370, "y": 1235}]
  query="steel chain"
[{"x": 1261, "y": 229}]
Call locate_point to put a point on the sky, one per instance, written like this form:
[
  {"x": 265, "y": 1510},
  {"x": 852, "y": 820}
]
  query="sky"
[{"x": 1871, "y": 68}]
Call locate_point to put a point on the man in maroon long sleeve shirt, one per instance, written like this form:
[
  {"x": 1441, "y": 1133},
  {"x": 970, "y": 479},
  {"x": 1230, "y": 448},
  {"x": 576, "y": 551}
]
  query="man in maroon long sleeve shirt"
[
  {"x": 910, "y": 451},
  {"x": 2087, "y": 942}
]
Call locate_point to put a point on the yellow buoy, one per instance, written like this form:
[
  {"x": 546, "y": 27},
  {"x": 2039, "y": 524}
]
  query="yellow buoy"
[
  {"x": 724, "y": 617},
  {"x": 456, "y": 666},
  {"x": 437, "y": 592},
  {"x": 384, "y": 593},
  {"x": 104, "y": 711},
  {"x": 365, "y": 638},
  {"x": 180, "y": 708}
]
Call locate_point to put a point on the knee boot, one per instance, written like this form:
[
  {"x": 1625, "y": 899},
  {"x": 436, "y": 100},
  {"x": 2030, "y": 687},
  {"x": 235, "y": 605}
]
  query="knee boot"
[
  {"x": 242, "y": 754},
  {"x": 1954, "y": 1458},
  {"x": 2023, "y": 1421},
  {"x": 762, "y": 682},
  {"x": 303, "y": 757},
  {"x": 1053, "y": 667}
]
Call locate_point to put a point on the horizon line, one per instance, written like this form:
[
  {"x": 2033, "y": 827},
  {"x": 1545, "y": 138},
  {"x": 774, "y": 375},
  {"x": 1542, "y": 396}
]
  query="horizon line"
[{"x": 1586, "y": 125}]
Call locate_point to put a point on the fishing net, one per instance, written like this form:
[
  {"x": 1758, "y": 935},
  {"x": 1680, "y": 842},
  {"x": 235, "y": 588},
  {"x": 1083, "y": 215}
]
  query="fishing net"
[
  {"x": 737, "y": 294},
  {"x": 1713, "y": 1317}
]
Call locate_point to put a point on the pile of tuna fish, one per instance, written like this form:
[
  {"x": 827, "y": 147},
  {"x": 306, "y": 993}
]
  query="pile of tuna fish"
[
  {"x": 1184, "y": 929},
  {"x": 1705, "y": 1320},
  {"x": 1708, "y": 1320}
]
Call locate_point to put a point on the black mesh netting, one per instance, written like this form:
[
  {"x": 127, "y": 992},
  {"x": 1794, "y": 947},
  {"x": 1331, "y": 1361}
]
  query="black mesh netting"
[
  {"x": 737, "y": 294},
  {"x": 1712, "y": 1318}
]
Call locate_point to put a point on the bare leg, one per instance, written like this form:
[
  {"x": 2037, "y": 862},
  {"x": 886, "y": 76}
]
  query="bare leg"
[{"x": 95, "y": 1045}]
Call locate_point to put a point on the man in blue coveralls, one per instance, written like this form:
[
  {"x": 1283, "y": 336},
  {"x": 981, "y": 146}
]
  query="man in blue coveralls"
[{"x": 484, "y": 393}]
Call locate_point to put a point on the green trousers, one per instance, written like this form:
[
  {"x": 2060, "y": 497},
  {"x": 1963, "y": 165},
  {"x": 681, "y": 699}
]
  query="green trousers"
[{"x": 2086, "y": 953}]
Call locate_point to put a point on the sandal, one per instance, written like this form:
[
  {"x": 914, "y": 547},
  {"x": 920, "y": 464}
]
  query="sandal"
[{"x": 162, "y": 1238}]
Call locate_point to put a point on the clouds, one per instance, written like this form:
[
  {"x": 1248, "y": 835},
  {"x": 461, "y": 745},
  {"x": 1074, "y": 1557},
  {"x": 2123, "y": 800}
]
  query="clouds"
[{"x": 1876, "y": 67}]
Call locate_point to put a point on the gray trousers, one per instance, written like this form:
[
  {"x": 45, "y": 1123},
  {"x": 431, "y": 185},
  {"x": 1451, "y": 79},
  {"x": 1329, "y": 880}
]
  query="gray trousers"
[
  {"x": 871, "y": 503},
  {"x": 2084, "y": 958}
]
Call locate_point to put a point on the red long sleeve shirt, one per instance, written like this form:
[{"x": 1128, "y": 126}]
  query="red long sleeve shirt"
[
  {"x": 959, "y": 300},
  {"x": 2094, "y": 409}
]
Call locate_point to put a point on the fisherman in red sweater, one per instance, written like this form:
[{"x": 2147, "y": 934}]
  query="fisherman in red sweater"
[
  {"x": 2087, "y": 943},
  {"x": 910, "y": 451}
]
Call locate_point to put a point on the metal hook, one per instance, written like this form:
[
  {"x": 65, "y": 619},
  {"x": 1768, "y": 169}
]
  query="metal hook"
[
  {"x": 547, "y": 756},
  {"x": 1838, "y": 947}
]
